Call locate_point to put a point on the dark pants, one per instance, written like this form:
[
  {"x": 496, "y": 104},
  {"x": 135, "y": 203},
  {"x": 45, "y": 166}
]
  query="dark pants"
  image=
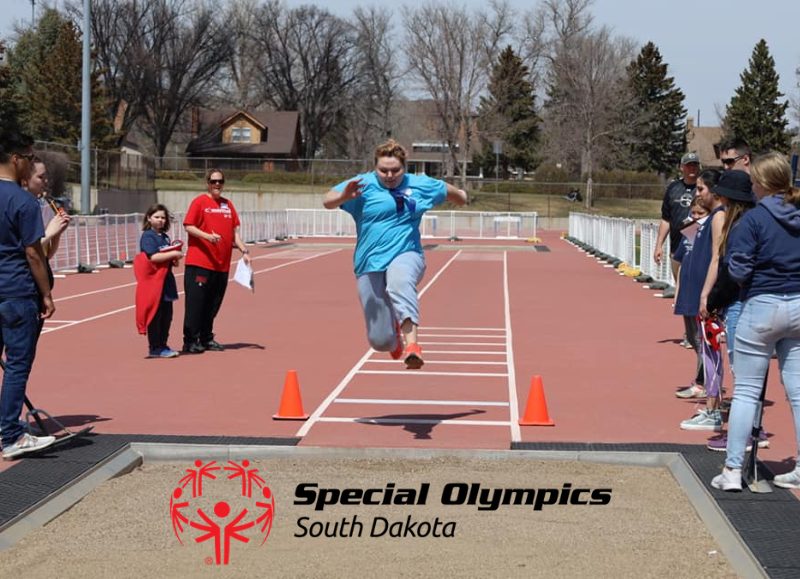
[
  {"x": 205, "y": 290},
  {"x": 19, "y": 332},
  {"x": 694, "y": 337},
  {"x": 158, "y": 330}
]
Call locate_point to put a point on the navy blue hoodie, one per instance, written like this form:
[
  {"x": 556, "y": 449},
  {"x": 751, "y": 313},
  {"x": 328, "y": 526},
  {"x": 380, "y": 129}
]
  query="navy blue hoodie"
[{"x": 764, "y": 249}]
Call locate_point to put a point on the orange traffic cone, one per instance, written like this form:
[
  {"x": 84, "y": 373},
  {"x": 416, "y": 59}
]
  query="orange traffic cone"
[
  {"x": 291, "y": 407},
  {"x": 536, "y": 410}
]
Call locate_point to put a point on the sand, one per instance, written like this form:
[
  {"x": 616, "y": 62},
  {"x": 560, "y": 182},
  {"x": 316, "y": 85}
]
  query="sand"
[{"x": 647, "y": 529}]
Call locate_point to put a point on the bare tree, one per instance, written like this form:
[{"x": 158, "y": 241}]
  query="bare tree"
[
  {"x": 239, "y": 86},
  {"x": 114, "y": 24},
  {"x": 307, "y": 64},
  {"x": 377, "y": 84},
  {"x": 585, "y": 72},
  {"x": 158, "y": 58},
  {"x": 450, "y": 52}
]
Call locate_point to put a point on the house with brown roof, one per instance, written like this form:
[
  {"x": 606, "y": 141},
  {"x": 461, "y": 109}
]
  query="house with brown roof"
[
  {"x": 236, "y": 139},
  {"x": 419, "y": 130},
  {"x": 704, "y": 141}
]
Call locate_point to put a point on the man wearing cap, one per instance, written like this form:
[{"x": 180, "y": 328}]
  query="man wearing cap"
[{"x": 675, "y": 208}]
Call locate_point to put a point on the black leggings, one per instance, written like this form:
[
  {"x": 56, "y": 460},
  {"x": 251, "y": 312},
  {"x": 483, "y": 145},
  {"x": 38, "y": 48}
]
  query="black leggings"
[{"x": 158, "y": 329}]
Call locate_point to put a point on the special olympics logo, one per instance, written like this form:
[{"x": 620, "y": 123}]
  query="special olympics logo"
[{"x": 243, "y": 518}]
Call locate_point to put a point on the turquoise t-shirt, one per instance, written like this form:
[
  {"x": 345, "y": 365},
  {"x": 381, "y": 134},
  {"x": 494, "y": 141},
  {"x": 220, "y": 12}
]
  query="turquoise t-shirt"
[{"x": 383, "y": 232}]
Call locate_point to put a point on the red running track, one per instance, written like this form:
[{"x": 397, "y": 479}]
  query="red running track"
[{"x": 493, "y": 315}]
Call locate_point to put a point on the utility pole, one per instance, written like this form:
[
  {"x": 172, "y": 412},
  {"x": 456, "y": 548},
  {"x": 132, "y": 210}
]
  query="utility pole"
[
  {"x": 33, "y": 12},
  {"x": 86, "y": 111}
]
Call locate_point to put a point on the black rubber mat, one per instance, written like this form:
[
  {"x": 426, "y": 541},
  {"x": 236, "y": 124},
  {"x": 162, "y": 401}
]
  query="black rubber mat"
[
  {"x": 768, "y": 523},
  {"x": 38, "y": 476}
]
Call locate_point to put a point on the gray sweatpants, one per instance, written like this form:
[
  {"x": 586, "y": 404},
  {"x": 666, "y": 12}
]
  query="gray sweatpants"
[{"x": 391, "y": 295}]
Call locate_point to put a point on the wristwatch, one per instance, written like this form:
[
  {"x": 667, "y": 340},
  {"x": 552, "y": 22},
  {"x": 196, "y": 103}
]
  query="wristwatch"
[{"x": 245, "y": 251}]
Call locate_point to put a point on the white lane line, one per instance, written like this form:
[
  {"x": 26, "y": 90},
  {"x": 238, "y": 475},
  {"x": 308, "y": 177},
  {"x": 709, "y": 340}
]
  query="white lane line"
[
  {"x": 487, "y": 336},
  {"x": 450, "y": 328},
  {"x": 122, "y": 286},
  {"x": 424, "y": 373},
  {"x": 316, "y": 415},
  {"x": 425, "y": 402},
  {"x": 516, "y": 434},
  {"x": 127, "y": 308},
  {"x": 415, "y": 421},
  {"x": 498, "y": 352},
  {"x": 424, "y": 342},
  {"x": 429, "y": 361}
]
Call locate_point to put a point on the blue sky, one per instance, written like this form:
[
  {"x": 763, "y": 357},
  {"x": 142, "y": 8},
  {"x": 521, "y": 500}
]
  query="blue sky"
[{"x": 706, "y": 44}]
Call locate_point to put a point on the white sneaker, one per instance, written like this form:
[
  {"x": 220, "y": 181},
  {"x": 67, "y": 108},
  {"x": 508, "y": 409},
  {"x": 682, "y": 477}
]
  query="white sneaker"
[
  {"x": 27, "y": 443},
  {"x": 788, "y": 480},
  {"x": 729, "y": 480}
]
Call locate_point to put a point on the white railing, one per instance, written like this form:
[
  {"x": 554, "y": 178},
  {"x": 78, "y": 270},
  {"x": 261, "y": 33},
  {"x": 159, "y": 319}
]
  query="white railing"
[
  {"x": 659, "y": 272},
  {"x": 97, "y": 239},
  {"x": 617, "y": 237},
  {"x": 612, "y": 235},
  {"x": 435, "y": 224}
]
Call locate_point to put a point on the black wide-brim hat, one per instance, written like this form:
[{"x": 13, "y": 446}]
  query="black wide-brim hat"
[{"x": 735, "y": 185}]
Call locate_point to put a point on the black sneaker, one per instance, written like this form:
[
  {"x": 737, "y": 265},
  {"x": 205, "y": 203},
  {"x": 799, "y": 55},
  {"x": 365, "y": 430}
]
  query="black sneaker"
[
  {"x": 213, "y": 346},
  {"x": 194, "y": 348}
]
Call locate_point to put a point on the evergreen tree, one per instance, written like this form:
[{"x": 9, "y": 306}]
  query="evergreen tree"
[
  {"x": 756, "y": 113},
  {"x": 508, "y": 114},
  {"x": 9, "y": 108},
  {"x": 657, "y": 121},
  {"x": 47, "y": 63}
]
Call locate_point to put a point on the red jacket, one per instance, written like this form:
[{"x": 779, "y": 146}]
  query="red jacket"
[{"x": 149, "y": 288}]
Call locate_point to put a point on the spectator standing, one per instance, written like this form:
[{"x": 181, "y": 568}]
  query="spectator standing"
[
  {"x": 764, "y": 257},
  {"x": 692, "y": 275},
  {"x": 24, "y": 291},
  {"x": 675, "y": 208},
  {"x": 213, "y": 227}
]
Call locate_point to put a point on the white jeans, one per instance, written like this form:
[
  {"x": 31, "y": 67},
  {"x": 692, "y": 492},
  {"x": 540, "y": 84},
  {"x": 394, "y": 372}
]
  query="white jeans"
[{"x": 389, "y": 296}]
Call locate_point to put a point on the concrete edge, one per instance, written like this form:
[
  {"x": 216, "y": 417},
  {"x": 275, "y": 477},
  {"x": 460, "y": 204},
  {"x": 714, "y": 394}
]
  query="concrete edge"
[
  {"x": 733, "y": 547},
  {"x": 134, "y": 454},
  {"x": 38, "y": 515}
]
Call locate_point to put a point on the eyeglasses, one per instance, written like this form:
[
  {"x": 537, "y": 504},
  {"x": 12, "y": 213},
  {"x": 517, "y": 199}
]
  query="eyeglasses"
[
  {"x": 216, "y": 181},
  {"x": 731, "y": 160},
  {"x": 27, "y": 156}
]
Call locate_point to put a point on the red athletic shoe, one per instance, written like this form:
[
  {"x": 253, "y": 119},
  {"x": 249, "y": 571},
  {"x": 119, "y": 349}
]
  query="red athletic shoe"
[
  {"x": 397, "y": 353},
  {"x": 413, "y": 357}
]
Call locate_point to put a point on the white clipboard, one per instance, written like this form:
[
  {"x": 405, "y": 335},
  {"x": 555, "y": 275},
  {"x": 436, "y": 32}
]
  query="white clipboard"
[{"x": 244, "y": 275}]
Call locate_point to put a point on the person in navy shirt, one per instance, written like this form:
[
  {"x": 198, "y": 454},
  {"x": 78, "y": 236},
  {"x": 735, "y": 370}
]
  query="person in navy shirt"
[
  {"x": 155, "y": 244},
  {"x": 25, "y": 297},
  {"x": 387, "y": 206}
]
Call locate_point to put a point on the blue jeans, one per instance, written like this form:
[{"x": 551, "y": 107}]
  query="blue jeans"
[
  {"x": 19, "y": 331},
  {"x": 732, "y": 314},
  {"x": 768, "y": 322},
  {"x": 391, "y": 295}
]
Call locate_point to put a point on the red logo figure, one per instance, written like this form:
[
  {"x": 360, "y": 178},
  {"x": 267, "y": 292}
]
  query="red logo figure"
[
  {"x": 248, "y": 476},
  {"x": 230, "y": 531},
  {"x": 249, "y": 523},
  {"x": 196, "y": 476}
]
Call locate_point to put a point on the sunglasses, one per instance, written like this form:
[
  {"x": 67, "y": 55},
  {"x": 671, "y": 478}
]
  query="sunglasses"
[
  {"x": 731, "y": 160},
  {"x": 27, "y": 156},
  {"x": 216, "y": 181}
]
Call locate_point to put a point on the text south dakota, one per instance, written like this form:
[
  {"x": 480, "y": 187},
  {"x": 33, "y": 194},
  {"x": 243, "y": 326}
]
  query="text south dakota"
[{"x": 347, "y": 527}]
